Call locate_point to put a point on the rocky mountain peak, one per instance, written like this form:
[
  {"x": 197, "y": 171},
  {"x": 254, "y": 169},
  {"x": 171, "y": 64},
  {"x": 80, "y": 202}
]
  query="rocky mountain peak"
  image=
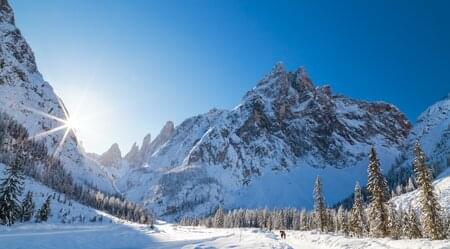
[
  {"x": 302, "y": 83},
  {"x": 134, "y": 151},
  {"x": 6, "y": 12},
  {"x": 112, "y": 157},
  {"x": 278, "y": 68},
  {"x": 146, "y": 141},
  {"x": 168, "y": 128}
]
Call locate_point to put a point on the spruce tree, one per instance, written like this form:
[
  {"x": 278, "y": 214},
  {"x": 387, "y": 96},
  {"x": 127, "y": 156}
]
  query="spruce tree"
[
  {"x": 342, "y": 221},
  {"x": 44, "y": 212},
  {"x": 377, "y": 187},
  {"x": 411, "y": 225},
  {"x": 357, "y": 216},
  {"x": 320, "y": 212},
  {"x": 394, "y": 224},
  {"x": 11, "y": 188},
  {"x": 219, "y": 218},
  {"x": 27, "y": 207},
  {"x": 430, "y": 209},
  {"x": 303, "y": 220}
]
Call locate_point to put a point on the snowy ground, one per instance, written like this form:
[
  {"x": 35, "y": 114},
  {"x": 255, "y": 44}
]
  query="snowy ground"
[{"x": 168, "y": 236}]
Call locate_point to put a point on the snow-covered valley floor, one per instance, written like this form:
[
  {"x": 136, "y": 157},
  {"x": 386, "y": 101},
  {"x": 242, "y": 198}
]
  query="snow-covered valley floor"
[{"x": 133, "y": 236}]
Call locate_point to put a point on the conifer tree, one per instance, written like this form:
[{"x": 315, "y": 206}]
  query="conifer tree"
[
  {"x": 357, "y": 216},
  {"x": 411, "y": 225},
  {"x": 394, "y": 226},
  {"x": 342, "y": 221},
  {"x": 430, "y": 209},
  {"x": 27, "y": 207},
  {"x": 219, "y": 218},
  {"x": 44, "y": 212},
  {"x": 377, "y": 187},
  {"x": 320, "y": 212},
  {"x": 11, "y": 188},
  {"x": 303, "y": 220}
]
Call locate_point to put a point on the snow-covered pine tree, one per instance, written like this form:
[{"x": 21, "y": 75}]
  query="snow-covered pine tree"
[
  {"x": 357, "y": 226},
  {"x": 378, "y": 192},
  {"x": 296, "y": 221},
  {"x": 430, "y": 209},
  {"x": 27, "y": 207},
  {"x": 44, "y": 212},
  {"x": 448, "y": 226},
  {"x": 303, "y": 220},
  {"x": 342, "y": 220},
  {"x": 410, "y": 186},
  {"x": 394, "y": 224},
  {"x": 11, "y": 187},
  {"x": 219, "y": 218},
  {"x": 320, "y": 212},
  {"x": 411, "y": 226},
  {"x": 331, "y": 220}
]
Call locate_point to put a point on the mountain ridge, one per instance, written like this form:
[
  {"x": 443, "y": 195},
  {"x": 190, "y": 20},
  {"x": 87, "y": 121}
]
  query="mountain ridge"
[{"x": 283, "y": 127}]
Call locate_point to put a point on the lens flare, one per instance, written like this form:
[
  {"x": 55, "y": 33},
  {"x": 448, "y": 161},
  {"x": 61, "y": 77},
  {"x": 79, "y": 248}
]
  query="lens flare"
[{"x": 69, "y": 123}]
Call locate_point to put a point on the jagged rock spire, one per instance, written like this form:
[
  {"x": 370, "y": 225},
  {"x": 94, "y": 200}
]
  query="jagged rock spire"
[
  {"x": 6, "y": 12},
  {"x": 302, "y": 82},
  {"x": 112, "y": 157},
  {"x": 278, "y": 67},
  {"x": 146, "y": 141},
  {"x": 168, "y": 128}
]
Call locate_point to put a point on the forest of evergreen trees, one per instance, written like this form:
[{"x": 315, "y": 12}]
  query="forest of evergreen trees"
[
  {"x": 374, "y": 217},
  {"x": 25, "y": 157}
]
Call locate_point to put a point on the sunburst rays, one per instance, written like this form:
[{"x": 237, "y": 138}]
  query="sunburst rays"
[{"x": 69, "y": 123}]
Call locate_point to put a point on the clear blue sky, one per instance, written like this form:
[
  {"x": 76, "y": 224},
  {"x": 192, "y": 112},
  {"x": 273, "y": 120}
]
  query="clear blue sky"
[{"x": 145, "y": 62}]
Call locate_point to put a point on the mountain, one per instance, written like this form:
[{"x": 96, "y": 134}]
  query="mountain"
[
  {"x": 137, "y": 157},
  {"x": 111, "y": 157},
  {"x": 25, "y": 96},
  {"x": 268, "y": 150},
  {"x": 432, "y": 130},
  {"x": 117, "y": 167}
]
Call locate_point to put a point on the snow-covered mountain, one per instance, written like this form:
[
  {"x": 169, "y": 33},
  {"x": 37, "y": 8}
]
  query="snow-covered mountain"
[
  {"x": 432, "y": 130},
  {"x": 268, "y": 149},
  {"x": 138, "y": 157},
  {"x": 30, "y": 100}
]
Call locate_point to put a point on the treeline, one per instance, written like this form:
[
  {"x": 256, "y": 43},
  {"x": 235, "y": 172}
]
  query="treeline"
[
  {"x": 24, "y": 156},
  {"x": 375, "y": 218}
]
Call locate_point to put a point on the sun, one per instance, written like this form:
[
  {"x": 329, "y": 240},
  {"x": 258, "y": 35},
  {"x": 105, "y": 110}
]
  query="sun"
[
  {"x": 67, "y": 124},
  {"x": 72, "y": 123}
]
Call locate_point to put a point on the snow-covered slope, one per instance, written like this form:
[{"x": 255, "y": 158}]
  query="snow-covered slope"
[
  {"x": 63, "y": 210},
  {"x": 442, "y": 190},
  {"x": 30, "y": 100},
  {"x": 268, "y": 149},
  {"x": 432, "y": 130}
]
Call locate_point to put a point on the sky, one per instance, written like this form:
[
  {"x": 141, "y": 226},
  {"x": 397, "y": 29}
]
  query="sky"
[{"x": 129, "y": 66}]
